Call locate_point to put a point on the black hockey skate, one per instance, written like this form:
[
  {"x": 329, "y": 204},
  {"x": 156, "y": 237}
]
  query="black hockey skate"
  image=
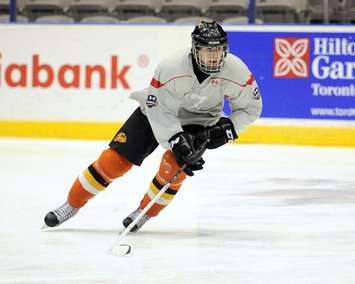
[
  {"x": 129, "y": 219},
  {"x": 60, "y": 215}
]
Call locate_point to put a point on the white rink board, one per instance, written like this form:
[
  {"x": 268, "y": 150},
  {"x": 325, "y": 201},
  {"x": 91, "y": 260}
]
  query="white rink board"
[{"x": 68, "y": 51}]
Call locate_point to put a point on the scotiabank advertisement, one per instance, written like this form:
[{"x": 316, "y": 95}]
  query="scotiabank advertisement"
[
  {"x": 79, "y": 72},
  {"x": 308, "y": 75}
]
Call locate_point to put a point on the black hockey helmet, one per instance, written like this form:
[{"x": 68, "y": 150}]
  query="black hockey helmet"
[{"x": 209, "y": 37}]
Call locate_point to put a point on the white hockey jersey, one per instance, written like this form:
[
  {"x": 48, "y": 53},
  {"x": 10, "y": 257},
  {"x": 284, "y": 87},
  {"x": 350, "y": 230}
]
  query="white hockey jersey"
[{"x": 176, "y": 98}]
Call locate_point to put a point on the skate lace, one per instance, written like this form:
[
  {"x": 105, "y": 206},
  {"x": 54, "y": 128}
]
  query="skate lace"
[
  {"x": 65, "y": 212},
  {"x": 142, "y": 220}
]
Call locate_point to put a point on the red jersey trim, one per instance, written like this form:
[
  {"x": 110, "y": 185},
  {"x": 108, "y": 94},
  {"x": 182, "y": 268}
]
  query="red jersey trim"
[
  {"x": 157, "y": 84},
  {"x": 247, "y": 83}
]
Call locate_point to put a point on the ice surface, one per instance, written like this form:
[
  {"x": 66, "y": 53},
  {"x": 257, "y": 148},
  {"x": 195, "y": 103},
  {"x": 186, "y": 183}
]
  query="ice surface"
[{"x": 256, "y": 214}]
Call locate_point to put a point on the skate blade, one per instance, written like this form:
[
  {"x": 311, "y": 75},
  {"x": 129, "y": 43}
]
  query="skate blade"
[{"x": 45, "y": 227}]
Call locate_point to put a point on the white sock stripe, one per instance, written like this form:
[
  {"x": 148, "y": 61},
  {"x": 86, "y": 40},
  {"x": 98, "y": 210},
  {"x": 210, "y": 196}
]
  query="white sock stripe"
[
  {"x": 86, "y": 185},
  {"x": 160, "y": 201}
]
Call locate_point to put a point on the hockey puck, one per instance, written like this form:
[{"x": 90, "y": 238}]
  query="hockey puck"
[{"x": 121, "y": 249}]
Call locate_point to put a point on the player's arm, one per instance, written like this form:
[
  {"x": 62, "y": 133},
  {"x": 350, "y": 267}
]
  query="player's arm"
[
  {"x": 246, "y": 107},
  {"x": 162, "y": 106}
]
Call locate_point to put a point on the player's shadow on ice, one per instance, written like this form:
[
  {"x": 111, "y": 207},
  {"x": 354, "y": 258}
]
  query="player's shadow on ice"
[
  {"x": 205, "y": 233},
  {"x": 82, "y": 231},
  {"x": 173, "y": 233}
]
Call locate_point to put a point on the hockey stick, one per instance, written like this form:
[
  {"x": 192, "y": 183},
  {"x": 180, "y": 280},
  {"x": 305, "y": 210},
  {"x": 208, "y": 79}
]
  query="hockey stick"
[{"x": 120, "y": 248}]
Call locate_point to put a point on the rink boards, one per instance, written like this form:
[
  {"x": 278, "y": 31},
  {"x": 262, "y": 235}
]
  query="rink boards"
[{"x": 73, "y": 81}]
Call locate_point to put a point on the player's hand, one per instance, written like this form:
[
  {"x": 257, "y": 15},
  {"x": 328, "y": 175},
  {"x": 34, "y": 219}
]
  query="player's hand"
[
  {"x": 221, "y": 133},
  {"x": 187, "y": 152},
  {"x": 197, "y": 166}
]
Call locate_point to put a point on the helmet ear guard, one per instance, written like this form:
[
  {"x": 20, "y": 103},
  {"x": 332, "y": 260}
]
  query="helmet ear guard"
[{"x": 209, "y": 37}]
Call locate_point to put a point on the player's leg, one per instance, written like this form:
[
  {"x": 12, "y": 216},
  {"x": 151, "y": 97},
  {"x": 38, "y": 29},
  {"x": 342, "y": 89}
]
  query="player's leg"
[
  {"x": 167, "y": 169},
  {"x": 93, "y": 180},
  {"x": 130, "y": 146}
]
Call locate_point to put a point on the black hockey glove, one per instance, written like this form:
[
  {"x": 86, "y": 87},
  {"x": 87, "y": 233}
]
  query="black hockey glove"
[
  {"x": 189, "y": 169},
  {"x": 187, "y": 150},
  {"x": 221, "y": 133}
]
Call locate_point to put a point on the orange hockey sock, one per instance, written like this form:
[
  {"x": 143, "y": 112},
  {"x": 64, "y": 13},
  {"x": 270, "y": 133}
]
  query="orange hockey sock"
[
  {"x": 168, "y": 168},
  {"x": 97, "y": 177}
]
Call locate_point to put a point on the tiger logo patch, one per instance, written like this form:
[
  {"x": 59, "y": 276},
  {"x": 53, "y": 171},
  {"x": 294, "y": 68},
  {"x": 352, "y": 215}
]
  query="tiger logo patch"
[{"x": 121, "y": 137}]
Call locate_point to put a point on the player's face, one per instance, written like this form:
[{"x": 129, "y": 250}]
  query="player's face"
[
  {"x": 211, "y": 56},
  {"x": 210, "y": 59}
]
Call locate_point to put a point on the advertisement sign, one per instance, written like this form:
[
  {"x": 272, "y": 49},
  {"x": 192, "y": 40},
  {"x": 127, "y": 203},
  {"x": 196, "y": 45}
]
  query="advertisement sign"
[
  {"x": 79, "y": 72},
  {"x": 86, "y": 72},
  {"x": 306, "y": 75}
]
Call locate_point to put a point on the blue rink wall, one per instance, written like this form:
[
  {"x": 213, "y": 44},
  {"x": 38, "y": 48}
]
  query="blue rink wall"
[
  {"x": 65, "y": 85},
  {"x": 302, "y": 75}
]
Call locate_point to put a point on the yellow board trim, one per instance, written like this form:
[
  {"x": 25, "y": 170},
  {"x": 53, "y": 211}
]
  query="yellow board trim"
[
  {"x": 296, "y": 135},
  {"x": 59, "y": 130},
  {"x": 264, "y": 134}
]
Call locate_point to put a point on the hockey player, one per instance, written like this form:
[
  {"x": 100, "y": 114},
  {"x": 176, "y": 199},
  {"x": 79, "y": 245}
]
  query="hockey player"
[{"x": 181, "y": 110}]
